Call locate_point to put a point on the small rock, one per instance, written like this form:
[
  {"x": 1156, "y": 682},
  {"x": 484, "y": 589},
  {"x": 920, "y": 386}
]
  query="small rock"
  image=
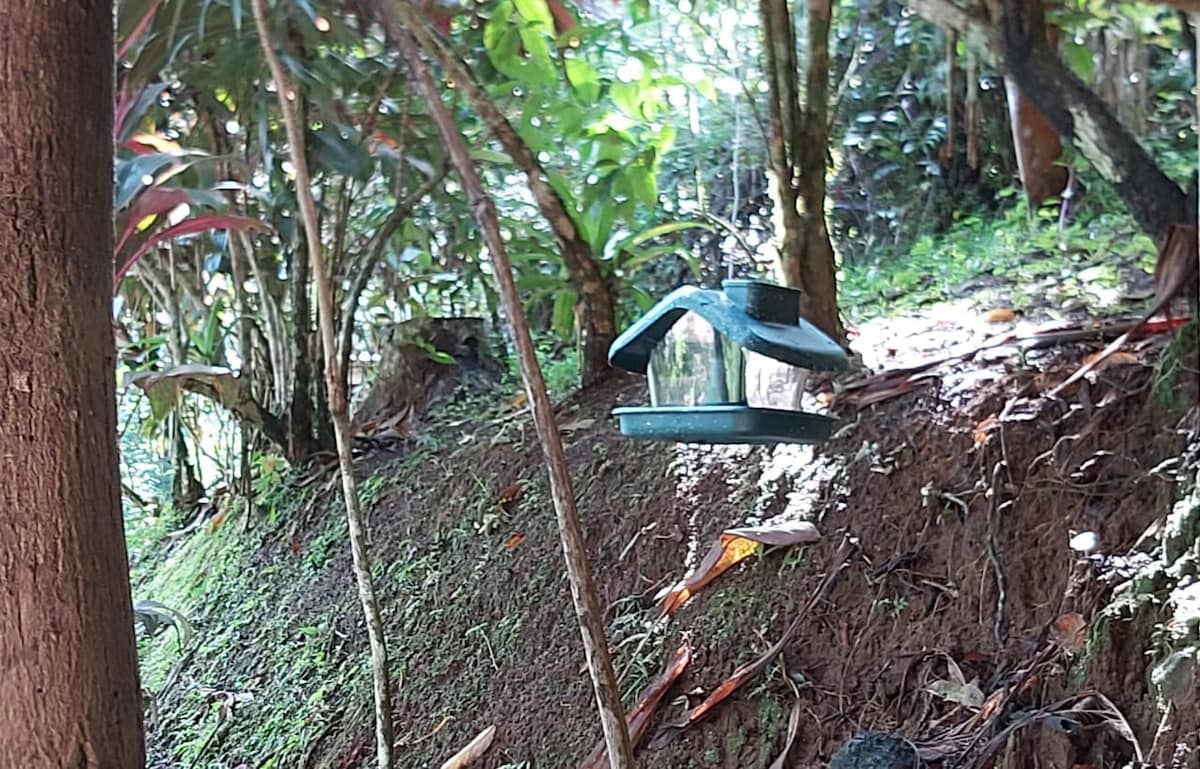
[{"x": 874, "y": 750}]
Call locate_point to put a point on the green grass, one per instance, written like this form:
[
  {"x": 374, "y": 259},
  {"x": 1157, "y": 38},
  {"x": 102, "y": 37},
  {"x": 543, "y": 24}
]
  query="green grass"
[{"x": 1010, "y": 248}]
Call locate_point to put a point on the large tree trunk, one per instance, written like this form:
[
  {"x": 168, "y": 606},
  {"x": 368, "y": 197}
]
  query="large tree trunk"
[
  {"x": 797, "y": 151},
  {"x": 69, "y": 695},
  {"x": 1081, "y": 117}
]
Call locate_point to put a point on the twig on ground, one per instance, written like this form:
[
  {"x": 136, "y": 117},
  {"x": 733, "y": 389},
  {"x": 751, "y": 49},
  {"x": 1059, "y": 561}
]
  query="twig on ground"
[{"x": 998, "y": 622}]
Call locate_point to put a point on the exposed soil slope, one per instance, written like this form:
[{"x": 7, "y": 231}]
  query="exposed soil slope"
[{"x": 482, "y": 632}]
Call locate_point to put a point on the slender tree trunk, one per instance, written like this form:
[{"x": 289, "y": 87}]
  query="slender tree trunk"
[
  {"x": 797, "y": 152},
  {"x": 338, "y": 405},
  {"x": 365, "y": 268},
  {"x": 579, "y": 572},
  {"x": 69, "y": 694},
  {"x": 818, "y": 272},
  {"x": 277, "y": 344},
  {"x": 598, "y": 314},
  {"x": 302, "y": 441}
]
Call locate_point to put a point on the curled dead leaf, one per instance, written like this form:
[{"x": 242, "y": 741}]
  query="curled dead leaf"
[
  {"x": 733, "y": 546},
  {"x": 638, "y": 719},
  {"x": 513, "y": 541},
  {"x": 984, "y": 428},
  {"x": 955, "y": 687},
  {"x": 1000, "y": 315}
]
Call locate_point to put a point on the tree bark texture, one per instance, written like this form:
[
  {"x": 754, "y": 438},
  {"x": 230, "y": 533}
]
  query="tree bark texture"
[
  {"x": 69, "y": 694},
  {"x": 598, "y": 327},
  {"x": 585, "y": 598},
  {"x": 1081, "y": 117},
  {"x": 1037, "y": 147},
  {"x": 339, "y": 407},
  {"x": 797, "y": 151},
  {"x": 302, "y": 440},
  {"x": 1036, "y": 142}
]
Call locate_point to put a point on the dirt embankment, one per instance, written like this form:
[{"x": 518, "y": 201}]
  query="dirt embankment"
[{"x": 963, "y": 522}]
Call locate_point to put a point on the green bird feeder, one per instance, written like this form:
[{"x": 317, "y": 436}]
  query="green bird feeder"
[{"x": 726, "y": 366}]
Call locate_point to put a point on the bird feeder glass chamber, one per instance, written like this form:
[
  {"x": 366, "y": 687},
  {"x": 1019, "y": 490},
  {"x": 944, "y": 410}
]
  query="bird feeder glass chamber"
[{"x": 726, "y": 366}]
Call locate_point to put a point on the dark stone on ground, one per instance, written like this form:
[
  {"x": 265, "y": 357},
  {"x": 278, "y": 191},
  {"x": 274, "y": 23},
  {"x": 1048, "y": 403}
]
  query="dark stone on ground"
[{"x": 875, "y": 751}]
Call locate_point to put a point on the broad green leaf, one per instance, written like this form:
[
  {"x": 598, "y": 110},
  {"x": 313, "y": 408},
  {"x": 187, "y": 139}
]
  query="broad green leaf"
[
  {"x": 564, "y": 188},
  {"x": 1079, "y": 57},
  {"x": 536, "y": 14},
  {"x": 163, "y": 388},
  {"x": 563, "y": 317},
  {"x": 643, "y": 187},
  {"x": 537, "y": 64},
  {"x": 628, "y": 98},
  {"x": 666, "y": 229},
  {"x": 597, "y": 224},
  {"x": 583, "y": 78},
  {"x": 633, "y": 258},
  {"x": 704, "y": 86},
  {"x": 434, "y": 354},
  {"x": 486, "y": 155},
  {"x": 341, "y": 155},
  {"x": 132, "y": 175},
  {"x": 641, "y": 298}
]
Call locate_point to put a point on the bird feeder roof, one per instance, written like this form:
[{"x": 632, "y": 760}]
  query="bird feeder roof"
[{"x": 757, "y": 316}]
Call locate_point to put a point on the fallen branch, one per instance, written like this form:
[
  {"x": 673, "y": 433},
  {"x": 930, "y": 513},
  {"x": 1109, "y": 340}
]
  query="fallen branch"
[
  {"x": 892, "y": 383},
  {"x": 1174, "y": 273}
]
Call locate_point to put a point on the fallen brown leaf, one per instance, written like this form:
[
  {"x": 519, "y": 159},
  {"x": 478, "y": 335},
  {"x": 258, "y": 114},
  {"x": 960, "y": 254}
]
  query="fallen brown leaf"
[
  {"x": 509, "y": 497},
  {"x": 639, "y": 718},
  {"x": 1099, "y": 361},
  {"x": 749, "y": 670},
  {"x": 983, "y": 428},
  {"x": 513, "y": 541},
  {"x": 793, "y": 724},
  {"x": 473, "y": 751},
  {"x": 1000, "y": 315},
  {"x": 1070, "y": 632},
  {"x": 733, "y": 546}
]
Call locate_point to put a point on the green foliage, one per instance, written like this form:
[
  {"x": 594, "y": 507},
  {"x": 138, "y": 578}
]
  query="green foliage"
[
  {"x": 271, "y": 485},
  {"x": 560, "y": 367},
  {"x": 1009, "y": 247},
  {"x": 1175, "y": 369}
]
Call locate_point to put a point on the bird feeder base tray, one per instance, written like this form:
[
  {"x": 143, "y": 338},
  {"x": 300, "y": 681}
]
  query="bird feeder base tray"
[{"x": 723, "y": 424}]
